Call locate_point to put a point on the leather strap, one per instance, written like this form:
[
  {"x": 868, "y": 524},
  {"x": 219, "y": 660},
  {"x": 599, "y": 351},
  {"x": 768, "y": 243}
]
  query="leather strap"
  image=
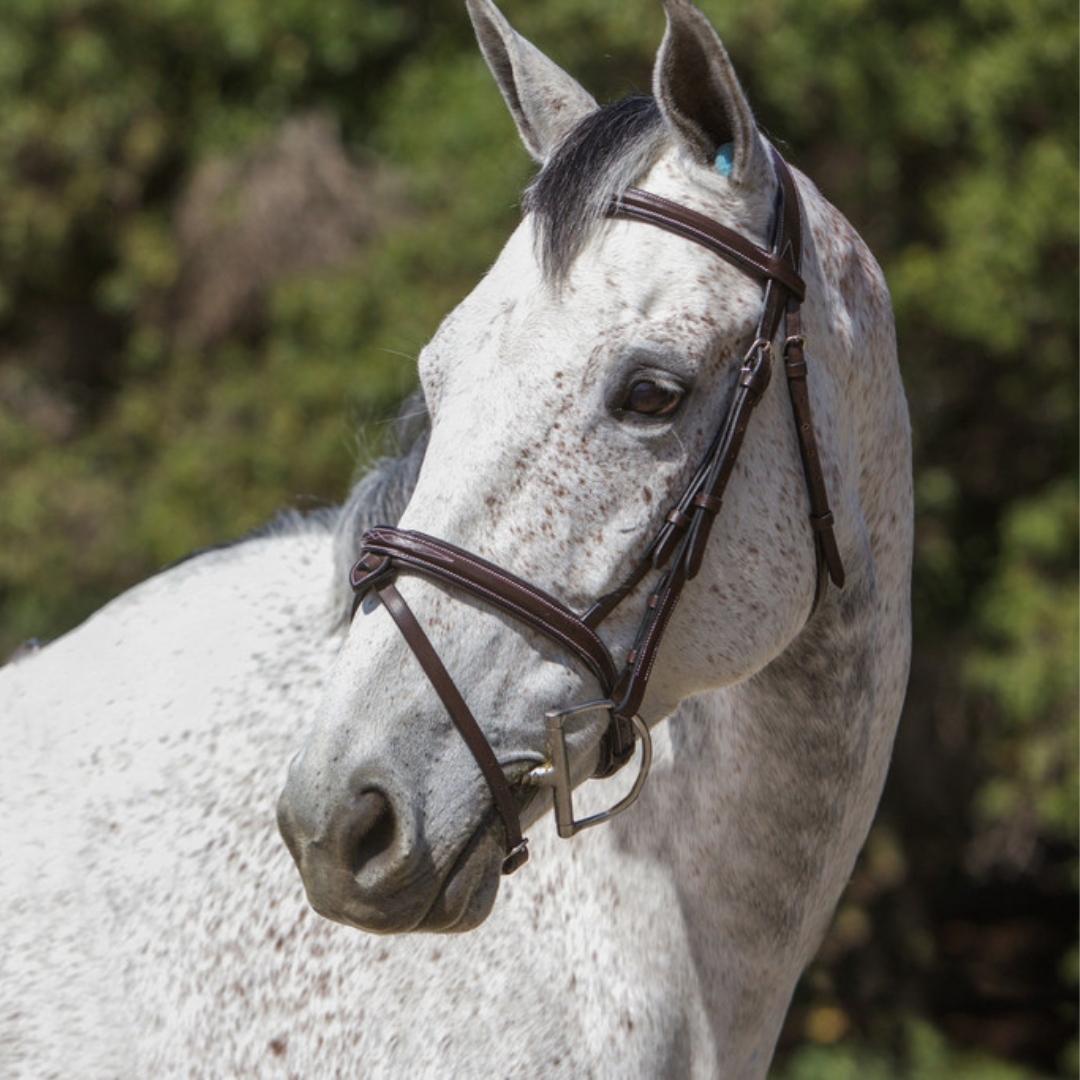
[
  {"x": 795, "y": 366},
  {"x": 779, "y": 268},
  {"x": 821, "y": 518},
  {"x": 517, "y": 851},
  {"x": 639, "y": 205},
  {"x": 443, "y": 562},
  {"x": 684, "y": 537}
]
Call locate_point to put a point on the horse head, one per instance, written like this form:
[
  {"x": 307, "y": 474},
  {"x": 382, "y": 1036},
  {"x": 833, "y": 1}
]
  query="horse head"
[{"x": 572, "y": 396}]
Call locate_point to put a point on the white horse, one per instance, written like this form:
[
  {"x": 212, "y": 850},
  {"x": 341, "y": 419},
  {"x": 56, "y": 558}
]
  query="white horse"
[{"x": 153, "y": 924}]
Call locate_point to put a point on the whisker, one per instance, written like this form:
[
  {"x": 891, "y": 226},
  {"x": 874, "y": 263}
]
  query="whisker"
[{"x": 396, "y": 352}]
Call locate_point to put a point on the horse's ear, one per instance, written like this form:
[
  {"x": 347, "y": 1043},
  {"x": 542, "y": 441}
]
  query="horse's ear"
[
  {"x": 544, "y": 100},
  {"x": 701, "y": 99}
]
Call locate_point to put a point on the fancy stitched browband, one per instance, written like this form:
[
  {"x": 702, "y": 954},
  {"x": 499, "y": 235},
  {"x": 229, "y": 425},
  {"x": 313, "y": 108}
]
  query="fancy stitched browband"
[{"x": 677, "y": 550}]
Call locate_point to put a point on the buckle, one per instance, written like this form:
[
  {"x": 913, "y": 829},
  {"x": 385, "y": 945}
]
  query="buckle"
[
  {"x": 556, "y": 772},
  {"x": 757, "y": 368},
  {"x": 757, "y": 346}
]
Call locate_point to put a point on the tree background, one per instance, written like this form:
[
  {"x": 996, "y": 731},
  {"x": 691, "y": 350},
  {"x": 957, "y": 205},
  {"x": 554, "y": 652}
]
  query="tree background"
[{"x": 228, "y": 226}]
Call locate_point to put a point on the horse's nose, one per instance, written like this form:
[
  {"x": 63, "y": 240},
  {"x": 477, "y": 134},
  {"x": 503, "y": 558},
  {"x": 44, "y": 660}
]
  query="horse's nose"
[
  {"x": 368, "y": 843},
  {"x": 360, "y": 857}
]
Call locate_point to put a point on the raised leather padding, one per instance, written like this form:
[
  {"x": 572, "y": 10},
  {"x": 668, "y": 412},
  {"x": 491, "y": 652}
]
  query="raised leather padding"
[{"x": 441, "y": 561}]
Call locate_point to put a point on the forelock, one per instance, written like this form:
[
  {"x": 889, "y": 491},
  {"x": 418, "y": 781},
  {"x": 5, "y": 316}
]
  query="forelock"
[{"x": 602, "y": 156}]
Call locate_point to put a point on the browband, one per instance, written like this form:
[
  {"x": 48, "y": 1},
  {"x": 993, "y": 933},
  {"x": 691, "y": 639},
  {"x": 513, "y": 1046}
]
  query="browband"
[{"x": 638, "y": 205}]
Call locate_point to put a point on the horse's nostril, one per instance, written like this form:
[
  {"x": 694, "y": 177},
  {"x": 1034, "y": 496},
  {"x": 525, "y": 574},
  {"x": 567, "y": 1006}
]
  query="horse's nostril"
[{"x": 373, "y": 830}]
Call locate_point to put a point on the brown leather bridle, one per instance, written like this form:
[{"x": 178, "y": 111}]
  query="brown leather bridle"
[{"x": 677, "y": 550}]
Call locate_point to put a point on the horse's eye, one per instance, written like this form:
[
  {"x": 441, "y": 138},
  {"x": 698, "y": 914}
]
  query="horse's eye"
[{"x": 652, "y": 398}]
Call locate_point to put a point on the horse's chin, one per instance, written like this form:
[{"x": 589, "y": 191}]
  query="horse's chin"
[{"x": 468, "y": 891}]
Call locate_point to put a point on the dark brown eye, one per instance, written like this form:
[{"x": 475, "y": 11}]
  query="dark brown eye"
[{"x": 652, "y": 398}]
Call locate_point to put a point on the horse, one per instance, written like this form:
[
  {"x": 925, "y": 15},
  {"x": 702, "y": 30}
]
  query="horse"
[{"x": 154, "y": 923}]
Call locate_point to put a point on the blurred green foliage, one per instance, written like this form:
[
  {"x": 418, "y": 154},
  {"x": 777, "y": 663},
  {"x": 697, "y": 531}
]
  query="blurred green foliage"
[
  {"x": 947, "y": 134},
  {"x": 924, "y": 1056}
]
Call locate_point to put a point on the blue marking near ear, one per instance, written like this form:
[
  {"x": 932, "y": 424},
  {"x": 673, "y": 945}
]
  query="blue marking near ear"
[{"x": 725, "y": 159}]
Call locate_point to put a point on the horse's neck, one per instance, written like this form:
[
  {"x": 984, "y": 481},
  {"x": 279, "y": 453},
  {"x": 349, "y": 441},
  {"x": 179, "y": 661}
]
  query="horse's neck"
[{"x": 773, "y": 786}]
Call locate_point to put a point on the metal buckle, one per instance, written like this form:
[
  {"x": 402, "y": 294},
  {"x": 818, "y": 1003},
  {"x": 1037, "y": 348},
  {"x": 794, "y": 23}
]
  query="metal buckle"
[
  {"x": 556, "y": 773},
  {"x": 757, "y": 367},
  {"x": 761, "y": 344}
]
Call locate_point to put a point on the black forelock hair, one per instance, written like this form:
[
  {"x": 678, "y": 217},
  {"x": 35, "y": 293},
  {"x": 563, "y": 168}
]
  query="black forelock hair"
[{"x": 602, "y": 156}]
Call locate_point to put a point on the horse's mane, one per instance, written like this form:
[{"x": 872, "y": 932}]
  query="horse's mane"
[
  {"x": 380, "y": 495},
  {"x": 602, "y": 156}
]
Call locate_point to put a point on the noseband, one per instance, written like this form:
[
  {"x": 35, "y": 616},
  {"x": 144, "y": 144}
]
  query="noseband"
[{"x": 677, "y": 550}]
